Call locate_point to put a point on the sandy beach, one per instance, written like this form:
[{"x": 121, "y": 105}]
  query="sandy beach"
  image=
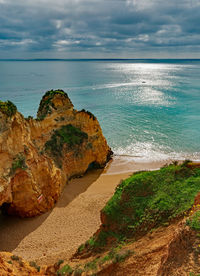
[{"x": 58, "y": 233}]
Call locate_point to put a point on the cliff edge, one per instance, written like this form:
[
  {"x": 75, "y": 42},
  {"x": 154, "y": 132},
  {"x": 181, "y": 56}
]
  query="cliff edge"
[{"x": 38, "y": 156}]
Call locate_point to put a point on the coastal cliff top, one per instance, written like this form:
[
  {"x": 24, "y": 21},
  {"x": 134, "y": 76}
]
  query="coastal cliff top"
[
  {"x": 8, "y": 108},
  {"x": 53, "y": 100}
]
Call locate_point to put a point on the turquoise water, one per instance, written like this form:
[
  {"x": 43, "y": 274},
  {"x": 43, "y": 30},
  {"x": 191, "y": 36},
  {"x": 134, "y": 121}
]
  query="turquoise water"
[{"x": 148, "y": 109}]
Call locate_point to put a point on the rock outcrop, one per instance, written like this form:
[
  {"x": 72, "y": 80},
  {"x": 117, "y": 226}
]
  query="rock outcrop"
[
  {"x": 38, "y": 156},
  {"x": 13, "y": 265}
]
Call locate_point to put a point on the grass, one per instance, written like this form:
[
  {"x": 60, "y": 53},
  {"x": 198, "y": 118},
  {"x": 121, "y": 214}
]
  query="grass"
[
  {"x": 65, "y": 270},
  {"x": 14, "y": 258},
  {"x": 46, "y": 103},
  {"x": 60, "y": 262},
  {"x": 67, "y": 135},
  {"x": 115, "y": 255},
  {"x": 29, "y": 118},
  {"x": 9, "y": 262},
  {"x": 121, "y": 256},
  {"x": 91, "y": 265},
  {"x": 147, "y": 200},
  {"x": 33, "y": 264},
  {"x": 18, "y": 162},
  {"x": 8, "y": 108},
  {"x": 194, "y": 221}
]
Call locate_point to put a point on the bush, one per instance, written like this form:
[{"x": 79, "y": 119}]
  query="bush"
[
  {"x": 65, "y": 270},
  {"x": 67, "y": 135},
  {"x": 60, "y": 262},
  {"x": 14, "y": 258},
  {"x": 33, "y": 264},
  {"x": 89, "y": 113},
  {"x": 8, "y": 108},
  {"x": 121, "y": 256},
  {"x": 194, "y": 221},
  {"x": 18, "y": 162},
  {"x": 91, "y": 265}
]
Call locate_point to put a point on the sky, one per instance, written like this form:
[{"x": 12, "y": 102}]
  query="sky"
[{"x": 99, "y": 29}]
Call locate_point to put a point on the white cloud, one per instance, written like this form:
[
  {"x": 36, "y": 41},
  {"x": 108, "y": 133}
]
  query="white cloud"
[
  {"x": 140, "y": 4},
  {"x": 58, "y": 23},
  {"x": 23, "y": 42},
  {"x": 62, "y": 43},
  {"x": 143, "y": 37}
]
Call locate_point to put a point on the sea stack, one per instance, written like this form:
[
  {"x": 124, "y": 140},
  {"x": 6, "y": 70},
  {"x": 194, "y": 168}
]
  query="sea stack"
[{"x": 38, "y": 156}]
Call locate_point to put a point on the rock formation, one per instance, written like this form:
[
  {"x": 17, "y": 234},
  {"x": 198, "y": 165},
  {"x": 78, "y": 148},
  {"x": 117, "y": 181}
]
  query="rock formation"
[
  {"x": 38, "y": 156},
  {"x": 13, "y": 265}
]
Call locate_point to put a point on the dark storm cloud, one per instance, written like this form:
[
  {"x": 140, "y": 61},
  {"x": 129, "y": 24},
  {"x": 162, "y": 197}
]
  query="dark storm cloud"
[{"x": 98, "y": 26}]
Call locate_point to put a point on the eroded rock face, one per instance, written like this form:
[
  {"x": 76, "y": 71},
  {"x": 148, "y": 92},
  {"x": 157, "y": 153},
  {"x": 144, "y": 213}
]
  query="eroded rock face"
[
  {"x": 37, "y": 157},
  {"x": 13, "y": 265}
]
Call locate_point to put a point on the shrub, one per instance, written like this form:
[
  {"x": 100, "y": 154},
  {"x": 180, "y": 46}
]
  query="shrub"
[
  {"x": 18, "y": 162},
  {"x": 29, "y": 118},
  {"x": 14, "y": 258},
  {"x": 91, "y": 265},
  {"x": 60, "y": 262},
  {"x": 121, "y": 256},
  {"x": 65, "y": 270},
  {"x": 67, "y": 135},
  {"x": 33, "y": 264},
  {"x": 194, "y": 221},
  {"x": 89, "y": 113},
  {"x": 81, "y": 248},
  {"x": 8, "y": 108}
]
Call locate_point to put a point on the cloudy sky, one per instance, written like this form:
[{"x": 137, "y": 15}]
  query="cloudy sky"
[{"x": 99, "y": 28}]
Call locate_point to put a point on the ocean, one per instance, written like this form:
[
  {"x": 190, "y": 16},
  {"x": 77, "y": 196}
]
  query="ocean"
[{"x": 148, "y": 109}]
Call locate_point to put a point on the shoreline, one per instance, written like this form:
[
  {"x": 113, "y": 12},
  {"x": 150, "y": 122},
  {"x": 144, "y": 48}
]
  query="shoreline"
[
  {"x": 126, "y": 163},
  {"x": 74, "y": 219},
  {"x": 122, "y": 164}
]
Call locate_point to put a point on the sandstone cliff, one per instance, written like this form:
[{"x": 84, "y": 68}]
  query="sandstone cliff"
[{"x": 38, "y": 156}]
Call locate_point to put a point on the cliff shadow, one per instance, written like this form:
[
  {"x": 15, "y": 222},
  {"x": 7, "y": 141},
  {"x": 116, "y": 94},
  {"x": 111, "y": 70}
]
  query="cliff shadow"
[
  {"x": 15, "y": 230},
  {"x": 77, "y": 186}
]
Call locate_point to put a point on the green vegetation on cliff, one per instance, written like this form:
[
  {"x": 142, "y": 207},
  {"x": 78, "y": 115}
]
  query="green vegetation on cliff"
[
  {"x": 46, "y": 102},
  {"x": 113, "y": 256},
  {"x": 147, "y": 200},
  {"x": 19, "y": 162},
  {"x": 194, "y": 221},
  {"x": 8, "y": 108},
  {"x": 89, "y": 113},
  {"x": 66, "y": 135}
]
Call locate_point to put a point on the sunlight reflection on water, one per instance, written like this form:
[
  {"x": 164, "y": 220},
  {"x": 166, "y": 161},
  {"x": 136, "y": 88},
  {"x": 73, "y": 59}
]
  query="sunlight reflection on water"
[{"x": 148, "y": 109}]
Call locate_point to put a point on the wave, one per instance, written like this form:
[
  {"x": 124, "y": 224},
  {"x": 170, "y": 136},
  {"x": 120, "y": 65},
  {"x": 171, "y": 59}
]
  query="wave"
[{"x": 148, "y": 152}]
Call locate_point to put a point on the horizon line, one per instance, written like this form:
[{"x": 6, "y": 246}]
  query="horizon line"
[{"x": 91, "y": 59}]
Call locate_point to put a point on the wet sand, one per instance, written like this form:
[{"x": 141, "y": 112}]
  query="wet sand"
[{"x": 58, "y": 233}]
